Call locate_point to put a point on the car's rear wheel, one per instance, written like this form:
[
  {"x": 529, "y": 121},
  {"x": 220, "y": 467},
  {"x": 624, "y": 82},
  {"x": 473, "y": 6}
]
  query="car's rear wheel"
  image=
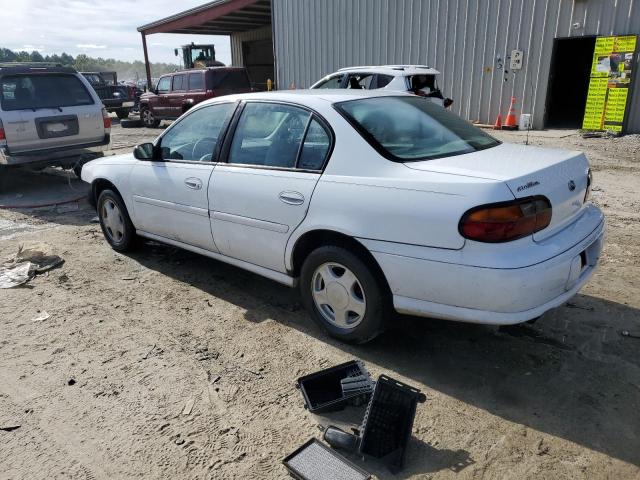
[
  {"x": 148, "y": 119},
  {"x": 115, "y": 222},
  {"x": 343, "y": 294}
]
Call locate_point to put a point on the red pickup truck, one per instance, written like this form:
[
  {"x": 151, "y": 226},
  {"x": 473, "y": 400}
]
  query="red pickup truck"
[{"x": 177, "y": 92}]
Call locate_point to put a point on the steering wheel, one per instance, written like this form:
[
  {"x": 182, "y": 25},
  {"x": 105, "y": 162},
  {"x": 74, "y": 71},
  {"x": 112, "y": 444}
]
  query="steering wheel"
[{"x": 198, "y": 148}]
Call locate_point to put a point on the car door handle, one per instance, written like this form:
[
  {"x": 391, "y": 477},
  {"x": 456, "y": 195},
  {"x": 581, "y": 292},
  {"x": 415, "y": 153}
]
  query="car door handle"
[
  {"x": 193, "y": 183},
  {"x": 292, "y": 198}
]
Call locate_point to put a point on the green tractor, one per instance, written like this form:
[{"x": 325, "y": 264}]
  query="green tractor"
[{"x": 198, "y": 56}]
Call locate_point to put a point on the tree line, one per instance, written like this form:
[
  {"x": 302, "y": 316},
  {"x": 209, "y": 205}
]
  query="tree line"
[{"x": 84, "y": 63}]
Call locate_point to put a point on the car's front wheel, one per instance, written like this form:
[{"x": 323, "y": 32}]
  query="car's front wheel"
[
  {"x": 115, "y": 222},
  {"x": 148, "y": 118},
  {"x": 343, "y": 294}
]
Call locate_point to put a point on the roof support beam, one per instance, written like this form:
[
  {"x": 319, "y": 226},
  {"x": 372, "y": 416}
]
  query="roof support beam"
[{"x": 200, "y": 18}]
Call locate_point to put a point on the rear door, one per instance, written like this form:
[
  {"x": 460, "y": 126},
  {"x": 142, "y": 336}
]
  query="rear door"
[
  {"x": 261, "y": 194},
  {"x": 47, "y": 110},
  {"x": 196, "y": 85}
]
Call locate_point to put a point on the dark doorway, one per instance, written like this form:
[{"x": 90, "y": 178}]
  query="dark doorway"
[
  {"x": 258, "y": 59},
  {"x": 569, "y": 81}
]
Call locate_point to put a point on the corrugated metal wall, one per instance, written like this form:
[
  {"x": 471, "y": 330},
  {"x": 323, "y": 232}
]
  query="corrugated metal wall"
[
  {"x": 237, "y": 39},
  {"x": 461, "y": 38}
]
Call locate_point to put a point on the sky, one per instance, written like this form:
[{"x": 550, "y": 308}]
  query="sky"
[{"x": 98, "y": 28}]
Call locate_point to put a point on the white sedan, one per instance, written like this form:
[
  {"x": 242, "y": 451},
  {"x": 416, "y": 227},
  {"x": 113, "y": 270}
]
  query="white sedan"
[{"x": 369, "y": 200}]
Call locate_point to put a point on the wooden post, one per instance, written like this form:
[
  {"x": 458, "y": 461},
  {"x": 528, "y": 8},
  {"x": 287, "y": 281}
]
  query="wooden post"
[{"x": 146, "y": 61}]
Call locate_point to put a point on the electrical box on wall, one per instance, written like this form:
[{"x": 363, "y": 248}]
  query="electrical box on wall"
[{"x": 516, "y": 59}]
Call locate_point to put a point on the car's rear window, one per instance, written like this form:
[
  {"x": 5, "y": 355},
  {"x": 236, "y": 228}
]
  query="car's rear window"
[
  {"x": 42, "y": 90},
  {"x": 230, "y": 80},
  {"x": 411, "y": 128}
]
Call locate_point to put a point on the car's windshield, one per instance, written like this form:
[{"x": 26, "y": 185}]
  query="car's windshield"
[
  {"x": 411, "y": 128},
  {"x": 32, "y": 91}
]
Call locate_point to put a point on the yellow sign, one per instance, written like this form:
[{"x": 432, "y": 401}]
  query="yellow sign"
[{"x": 609, "y": 85}]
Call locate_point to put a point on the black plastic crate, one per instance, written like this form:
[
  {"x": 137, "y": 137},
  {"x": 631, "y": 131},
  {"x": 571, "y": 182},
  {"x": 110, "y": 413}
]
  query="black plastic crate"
[
  {"x": 324, "y": 391},
  {"x": 388, "y": 421},
  {"x": 316, "y": 461}
]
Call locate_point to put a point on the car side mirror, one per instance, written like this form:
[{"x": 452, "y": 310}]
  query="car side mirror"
[{"x": 145, "y": 151}]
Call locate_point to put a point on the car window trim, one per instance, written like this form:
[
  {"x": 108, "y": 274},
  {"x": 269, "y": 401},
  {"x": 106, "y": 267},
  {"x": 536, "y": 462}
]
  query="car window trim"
[
  {"x": 228, "y": 140},
  {"x": 220, "y": 140}
]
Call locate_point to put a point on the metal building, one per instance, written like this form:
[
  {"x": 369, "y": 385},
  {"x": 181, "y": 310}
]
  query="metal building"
[{"x": 469, "y": 41}]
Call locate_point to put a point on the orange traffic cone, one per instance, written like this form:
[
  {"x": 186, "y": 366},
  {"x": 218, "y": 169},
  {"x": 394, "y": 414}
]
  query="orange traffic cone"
[
  {"x": 498, "y": 124},
  {"x": 510, "y": 122}
]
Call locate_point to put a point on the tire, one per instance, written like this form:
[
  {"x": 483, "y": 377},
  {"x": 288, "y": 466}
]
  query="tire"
[
  {"x": 148, "y": 119},
  {"x": 356, "y": 301},
  {"x": 115, "y": 222},
  {"x": 131, "y": 123},
  {"x": 123, "y": 114},
  {"x": 4, "y": 174}
]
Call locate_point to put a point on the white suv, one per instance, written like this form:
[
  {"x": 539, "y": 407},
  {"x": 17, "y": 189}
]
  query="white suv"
[
  {"x": 418, "y": 79},
  {"x": 49, "y": 116}
]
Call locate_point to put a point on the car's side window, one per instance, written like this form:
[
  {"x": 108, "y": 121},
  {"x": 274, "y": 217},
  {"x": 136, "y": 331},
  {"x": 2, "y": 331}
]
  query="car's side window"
[
  {"x": 196, "y": 81},
  {"x": 382, "y": 81},
  {"x": 333, "y": 82},
  {"x": 164, "y": 85},
  {"x": 179, "y": 82},
  {"x": 195, "y": 136},
  {"x": 360, "y": 81},
  {"x": 315, "y": 147},
  {"x": 268, "y": 134}
]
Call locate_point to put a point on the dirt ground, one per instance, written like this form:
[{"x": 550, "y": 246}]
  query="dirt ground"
[{"x": 165, "y": 364}]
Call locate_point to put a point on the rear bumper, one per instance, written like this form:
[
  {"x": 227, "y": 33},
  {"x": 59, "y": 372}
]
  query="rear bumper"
[
  {"x": 496, "y": 296},
  {"x": 65, "y": 155}
]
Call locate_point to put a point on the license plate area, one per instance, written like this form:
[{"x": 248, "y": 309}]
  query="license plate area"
[{"x": 58, "y": 126}]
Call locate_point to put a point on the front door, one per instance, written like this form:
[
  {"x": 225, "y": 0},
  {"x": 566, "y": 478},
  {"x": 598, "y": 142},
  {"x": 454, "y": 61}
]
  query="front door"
[
  {"x": 160, "y": 102},
  {"x": 262, "y": 192},
  {"x": 170, "y": 196},
  {"x": 177, "y": 96}
]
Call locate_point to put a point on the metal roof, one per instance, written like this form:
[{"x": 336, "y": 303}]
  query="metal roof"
[{"x": 220, "y": 17}]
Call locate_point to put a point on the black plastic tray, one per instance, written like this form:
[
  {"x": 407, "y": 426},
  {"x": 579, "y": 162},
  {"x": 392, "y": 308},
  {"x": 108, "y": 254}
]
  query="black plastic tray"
[
  {"x": 388, "y": 421},
  {"x": 316, "y": 461},
  {"x": 322, "y": 391}
]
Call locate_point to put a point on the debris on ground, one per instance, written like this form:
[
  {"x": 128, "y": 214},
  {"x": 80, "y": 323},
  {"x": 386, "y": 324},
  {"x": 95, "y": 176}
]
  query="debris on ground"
[
  {"x": 188, "y": 406},
  {"x": 9, "y": 427},
  {"x": 42, "y": 316},
  {"x": 26, "y": 264},
  {"x": 386, "y": 425},
  {"x": 627, "y": 333}
]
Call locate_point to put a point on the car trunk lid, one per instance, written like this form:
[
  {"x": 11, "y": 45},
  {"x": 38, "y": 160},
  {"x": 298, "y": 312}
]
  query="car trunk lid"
[{"x": 559, "y": 175}]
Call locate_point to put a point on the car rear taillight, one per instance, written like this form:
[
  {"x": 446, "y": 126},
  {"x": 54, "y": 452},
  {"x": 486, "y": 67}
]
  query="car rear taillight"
[
  {"x": 106, "y": 119},
  {"x": 587, "y": 194},
  {"x": 506, "y": 221},
  {"x": 3, "y": 136}
]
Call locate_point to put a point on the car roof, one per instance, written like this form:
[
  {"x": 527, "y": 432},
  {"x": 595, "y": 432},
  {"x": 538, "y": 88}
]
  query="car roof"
[
  {"x": 190, "y": 70},
  {"x": 394, "y": 70},
  {"x": 19, "y": 67},
  {"x": 309, "y": 96}
]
